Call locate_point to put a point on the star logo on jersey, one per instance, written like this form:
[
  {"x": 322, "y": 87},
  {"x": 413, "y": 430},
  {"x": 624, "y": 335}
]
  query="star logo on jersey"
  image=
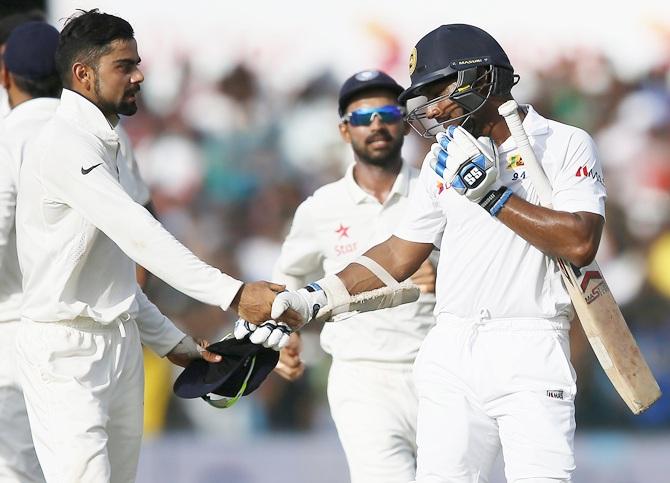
[
  {"x": 343, "y": 231},
  {"x": 440, "y": 187}
]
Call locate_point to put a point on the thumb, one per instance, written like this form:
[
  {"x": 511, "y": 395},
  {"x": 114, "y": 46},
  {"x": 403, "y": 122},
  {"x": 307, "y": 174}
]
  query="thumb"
[
  {"x": 279, "y": 306},
  {"x": 275, "y": 287}
]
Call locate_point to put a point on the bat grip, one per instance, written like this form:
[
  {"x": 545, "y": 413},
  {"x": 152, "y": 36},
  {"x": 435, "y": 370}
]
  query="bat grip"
[{"x": 509, "y": 111}]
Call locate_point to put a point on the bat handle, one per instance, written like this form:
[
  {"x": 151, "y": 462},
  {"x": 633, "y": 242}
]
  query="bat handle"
[{"x": 510, "y": 111}]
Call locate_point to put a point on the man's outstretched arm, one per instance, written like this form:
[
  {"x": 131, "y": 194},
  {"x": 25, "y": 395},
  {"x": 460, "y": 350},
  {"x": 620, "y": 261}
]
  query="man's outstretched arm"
[
  {"x": 400, "y": 258},
  {"x": 397, "y": 259}
]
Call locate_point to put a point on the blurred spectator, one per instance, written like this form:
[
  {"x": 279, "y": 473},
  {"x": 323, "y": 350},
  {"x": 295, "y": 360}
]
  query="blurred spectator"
[{"x": 228, "y": 161}]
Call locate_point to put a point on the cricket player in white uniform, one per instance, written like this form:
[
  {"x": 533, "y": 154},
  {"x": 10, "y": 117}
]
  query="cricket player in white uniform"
[
  {"x": 370, "y": 388},
  {"x": 28, "y": 75},
  {"x": 495, "y": 371},
  {"x": 34, "y": 88},
  {"x": 82, "y": 312}
]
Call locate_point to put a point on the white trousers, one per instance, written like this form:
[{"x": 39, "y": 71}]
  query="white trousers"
[
  {"x": 83, "y": 384},
  {"x": 374, "y": 407},
  {"x": 490, "y": 385},
  {"x": 18, "y": 461}
]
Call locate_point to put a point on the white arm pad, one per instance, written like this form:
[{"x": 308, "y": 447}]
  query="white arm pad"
[{"x": 341, "y": 305}]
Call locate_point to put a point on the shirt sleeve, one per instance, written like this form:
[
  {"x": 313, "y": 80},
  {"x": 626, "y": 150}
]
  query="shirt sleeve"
[
  {"x": 579, "y": 185},
  {"x": 300, "y": 255},
  {"x": 156, "y": 331},
  {"x": 99, "y": 198},
  {"x": 424, "y": 219},
  {"x": 7, "y": 200}
]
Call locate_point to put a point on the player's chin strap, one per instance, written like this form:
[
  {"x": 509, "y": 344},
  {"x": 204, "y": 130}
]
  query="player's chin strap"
[{"x": 341, "y": 305}]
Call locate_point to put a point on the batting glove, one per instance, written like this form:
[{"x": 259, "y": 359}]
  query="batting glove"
[
  {"x": 470, "y": 167},
  {"x": 270, "y": 334},
  {"x": 306, "y": 301}
]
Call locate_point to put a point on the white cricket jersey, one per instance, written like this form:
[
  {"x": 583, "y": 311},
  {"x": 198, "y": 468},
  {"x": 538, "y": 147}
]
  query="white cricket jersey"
[
  {"x": 132, "y": 182},
  {"x": 485, "y": 268},
  {"x": 17, "y": 128},
  {"x": 332, "y": 228},
  {"x": 79, "y": 231}
]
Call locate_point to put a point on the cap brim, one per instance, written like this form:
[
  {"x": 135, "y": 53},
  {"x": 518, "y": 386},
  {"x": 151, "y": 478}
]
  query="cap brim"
[{"x": 201, "y": 377}]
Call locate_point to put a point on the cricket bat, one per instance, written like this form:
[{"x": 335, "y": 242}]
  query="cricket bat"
[{"x": 598, "y": 312}]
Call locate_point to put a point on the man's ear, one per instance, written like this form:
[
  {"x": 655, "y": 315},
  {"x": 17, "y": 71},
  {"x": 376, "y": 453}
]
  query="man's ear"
[
  {"x": 4, "y": 74},
  {"x": 344, "y": 132},
  {"x": 406, "y": 128},
  {"x": 5, "y": 77},
  {"x": 82, "y": 76}
]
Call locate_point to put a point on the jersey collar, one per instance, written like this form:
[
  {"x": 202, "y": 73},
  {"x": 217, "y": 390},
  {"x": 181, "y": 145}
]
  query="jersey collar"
[
  {"x": 534, "y": 125},
  {"x": 30, "y": 108},
  {"x": 82, "y": 112},
  {"x": 358, "y": 195}
]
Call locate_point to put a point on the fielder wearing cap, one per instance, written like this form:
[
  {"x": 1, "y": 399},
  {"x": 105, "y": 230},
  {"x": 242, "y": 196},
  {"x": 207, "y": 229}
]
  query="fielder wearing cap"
[
  {"x": 371, "y": 394},
  {"x": 29, "y": 77},
  {"x": 495, "y": 371}
]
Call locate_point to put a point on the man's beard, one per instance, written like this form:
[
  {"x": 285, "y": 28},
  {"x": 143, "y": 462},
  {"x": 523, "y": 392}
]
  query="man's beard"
[
  {"x": 381, "y": 159},
  {"x": 123, "y": 107}
]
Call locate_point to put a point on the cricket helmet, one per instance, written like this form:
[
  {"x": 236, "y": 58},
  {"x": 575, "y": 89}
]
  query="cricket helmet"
[{"x": 465, "y": 54}]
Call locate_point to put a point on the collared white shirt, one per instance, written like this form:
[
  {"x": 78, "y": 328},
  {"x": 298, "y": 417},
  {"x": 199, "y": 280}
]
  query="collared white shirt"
[
  {"x": 331, "y": 228},
  {"x": 485, "y": 268},
  {"x": 79, "y": 231},
  {"x": 17, "y": 128}
]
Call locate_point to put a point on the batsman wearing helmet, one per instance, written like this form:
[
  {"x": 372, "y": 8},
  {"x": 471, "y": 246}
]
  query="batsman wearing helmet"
[{"x": 494, "y": 373}]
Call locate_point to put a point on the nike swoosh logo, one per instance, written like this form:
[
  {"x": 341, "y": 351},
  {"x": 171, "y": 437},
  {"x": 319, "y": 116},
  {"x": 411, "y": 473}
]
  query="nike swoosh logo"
[{"x": 86, "y": 171}]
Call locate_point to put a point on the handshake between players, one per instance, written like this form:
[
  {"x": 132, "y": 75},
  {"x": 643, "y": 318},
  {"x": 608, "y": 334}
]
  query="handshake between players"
[{"x": 327, "y": 299}]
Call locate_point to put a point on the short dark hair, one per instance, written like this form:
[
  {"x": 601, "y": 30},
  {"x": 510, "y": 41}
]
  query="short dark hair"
[
  {"x": 49, "y": 86},
  {"x": 86, "y": 37}
]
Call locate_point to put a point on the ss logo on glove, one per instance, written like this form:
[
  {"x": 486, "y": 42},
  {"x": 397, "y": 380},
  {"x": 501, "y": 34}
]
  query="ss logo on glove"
[{"x": 472, "y": 176}]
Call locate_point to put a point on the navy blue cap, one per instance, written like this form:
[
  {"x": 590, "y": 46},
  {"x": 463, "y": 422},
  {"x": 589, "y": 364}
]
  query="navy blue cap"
[
  {"x": 363, "y": 81},
  {"x": 227, "y": 376},
  {"x": 31, "y": 49},
  {"x": 449, "y": 49}
]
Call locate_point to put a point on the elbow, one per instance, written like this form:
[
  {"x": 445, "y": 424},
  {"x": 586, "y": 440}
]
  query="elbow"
[{"x": 583, "y": 254}]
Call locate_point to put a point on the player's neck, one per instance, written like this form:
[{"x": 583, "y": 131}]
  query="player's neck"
[{"x": 377, "y": 180}]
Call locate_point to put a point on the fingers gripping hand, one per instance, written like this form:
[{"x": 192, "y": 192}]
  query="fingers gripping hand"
[
  {"x": 243, "y": 328},
  {"x": 306, "y": 302},
  {"x": 469, "y": 165},
  {"x": 271, "y": 334}
]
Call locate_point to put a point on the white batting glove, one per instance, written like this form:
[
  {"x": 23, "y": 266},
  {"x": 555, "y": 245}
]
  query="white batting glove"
[
  {"x": 243, "y": 328},
  {"x": 270, "y": 334},
  {"x": 470, "y": 167},
  {"x": 306, "y": 301}
]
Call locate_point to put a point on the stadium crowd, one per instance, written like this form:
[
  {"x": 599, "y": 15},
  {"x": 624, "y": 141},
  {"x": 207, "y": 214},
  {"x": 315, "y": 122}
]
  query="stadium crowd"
[{"x": 228, "y": 162}]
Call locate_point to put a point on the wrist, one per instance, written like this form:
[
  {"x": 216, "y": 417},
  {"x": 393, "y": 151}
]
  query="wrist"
[{"x": 494, "y": 200}]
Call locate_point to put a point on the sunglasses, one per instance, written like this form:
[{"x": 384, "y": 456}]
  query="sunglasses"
[{"x": 365, "y": 116}]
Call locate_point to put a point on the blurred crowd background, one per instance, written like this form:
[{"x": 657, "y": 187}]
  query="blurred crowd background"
[{"x": 230, "y": 149}]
